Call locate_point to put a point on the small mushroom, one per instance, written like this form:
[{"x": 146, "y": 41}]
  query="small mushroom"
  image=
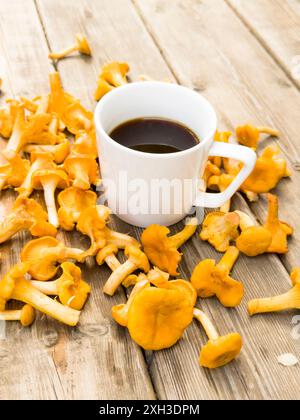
[
  {"x": 81, "y": 45},
  {"x": 219, "y": 351},
  {"x": 85, "y": 144},
  {"x": 287, "y": 301},
  {"x": 71, "y": 289},
  {"x": 82, "y": 170},
  {"x": 13, "y": 173},
  {"x": 15, "y": 286},
  {"x": 59, "y": 151},
  {"x": 59, "y": 100},
  {"x": 254, "y": 240},
  {"x": 34, "y": 130},
  {"x": 44, "y": 255},
  {"x": 220, "y": 137},
  {"x": 26, "y": 214},
  {"x": 108, "y": 255},
  {"x": 211, "y": 279},
  {"x": 77, "y": 118},
  {"x": 120, "y": 312},
  {"x": 249, "y": 136},
  {"x": 26, "y": 315},
  {"x": 7, "y": 119},
  {"x": 136, "y": 260},
  {"x": 219, "y": 229},
  {"x": 162, "y": 250},
  {"x": 73, "y": 201},
  {"x": 112, "y": 75},
  {"x": 49, "y": 180},
  {"x": 268, "y": 171},
  {"x": 210, "y": 170},
  {"x": 41, "y": 160},
  {"x": 278, "y": 229},
  {"x": 221, "y": 182},
  {"x": 92, "y": 222}
]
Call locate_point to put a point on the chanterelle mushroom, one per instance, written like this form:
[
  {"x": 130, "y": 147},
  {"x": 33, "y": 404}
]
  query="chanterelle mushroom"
[
  {"x": 59, "y": 151},
  {"x": 26, "y": 214},
  {"x": 249, "y": 136},
  {"x": 82, "y": 170},
  {"x": 162, "y": 250},
  {"x": 158, "y": 316},
  {"x": 278, "y": 229},
  {"x": 211, "y": 280},
  {"x": 26, "y": 315},
  {"x": 81, "y": 45},
  {"x": 219, "y": 351},
  {"x": 71, "y": 289},
  {"x": 7, "y": 119},
  {"x": 289, "y": 300},
  {"x": 108, "y": 255},
  {"x": 136, "y": 260},
  {"x": 219, "y": 229},
  {"x": 14, "y": 286},
  {"x": 73, "y": 201},
  {"x": 85, "y": 144},
  {"x": 13, "y": 173},
  {"x": 111, "y": 75},
  {"x": 92, "y": 222},
  {"x": 44, "y": 255},
  {"x": 40, "y": 160},
  {"x": 77, "y": 118},
  {"x": 49, "y": 180},
  {"x": 268, "y": 171},
  {"x": 254, "y": 240},
  {"x": 221, "y": 182}
]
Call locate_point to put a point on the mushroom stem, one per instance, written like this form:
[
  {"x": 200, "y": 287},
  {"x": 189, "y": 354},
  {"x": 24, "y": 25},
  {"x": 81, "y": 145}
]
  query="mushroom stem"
[
  {"x": 82, "y": 179},
  {"x": 268, "y": 130},
  {"x": 112, "y": 262},
  {"x": 120, "y": 240},
  {"x": 289, "y": 300},
  {"x": 181, "y": 237},
  {"x": 49, "y": 187},
  {"x": 206, "y": 323},
  {"x": 26, "y": 315},
  {"x": 245, "y": 220},
  {"x": 25, "y": 292},
  {"x": 10, "y": 226},
  {"x": 229, "y": 259},
  {"x": 273, "y": 209},
  {"x": 118, "y": 276},
  {"x": 64, "y": 53},
  {"x": 49, "y": 288}
]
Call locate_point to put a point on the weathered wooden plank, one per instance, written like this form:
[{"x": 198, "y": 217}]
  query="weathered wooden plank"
[
  {"x": 218, "y": 56},
  {"x": 175, "y": 372},
  {"x": 276, "y": 25},
  {"x": 50, "y": 361}
]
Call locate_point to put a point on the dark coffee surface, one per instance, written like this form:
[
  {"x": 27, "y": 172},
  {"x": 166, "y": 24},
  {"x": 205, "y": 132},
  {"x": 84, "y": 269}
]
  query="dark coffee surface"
[{"x": 154, "y": 135}]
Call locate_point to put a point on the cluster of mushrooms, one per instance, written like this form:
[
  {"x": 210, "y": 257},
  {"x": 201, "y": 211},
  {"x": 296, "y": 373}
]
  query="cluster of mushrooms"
[{"x": 51, "y": 146}]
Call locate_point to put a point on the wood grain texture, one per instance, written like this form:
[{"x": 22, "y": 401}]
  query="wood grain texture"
[
  {"x": 218, "y": 56},
  {"x": 175, "y": 372},
  {"x": 275, "y": 23},
  {"x": 50, "y": 361}
]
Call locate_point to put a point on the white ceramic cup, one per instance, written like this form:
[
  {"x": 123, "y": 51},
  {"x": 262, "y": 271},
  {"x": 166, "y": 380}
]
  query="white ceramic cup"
[{"x": 130, "y": 177}]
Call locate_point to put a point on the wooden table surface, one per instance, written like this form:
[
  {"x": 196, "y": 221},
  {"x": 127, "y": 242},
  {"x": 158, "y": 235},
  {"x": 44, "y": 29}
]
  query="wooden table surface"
[{"x": 244, "y": 56}]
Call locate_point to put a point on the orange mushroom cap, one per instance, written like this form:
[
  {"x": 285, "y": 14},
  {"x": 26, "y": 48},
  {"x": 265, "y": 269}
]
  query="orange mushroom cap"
[
  {"x": 219, "y": 229},
  {"x": 269, "y": 170},
  {"x": 158, "y": 317},
  {"x": 73, "y": 201},
  {"x": 161, "y": 249}
]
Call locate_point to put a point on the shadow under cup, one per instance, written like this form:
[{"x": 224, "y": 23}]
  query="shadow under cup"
[{"x": 145, "y": 188}]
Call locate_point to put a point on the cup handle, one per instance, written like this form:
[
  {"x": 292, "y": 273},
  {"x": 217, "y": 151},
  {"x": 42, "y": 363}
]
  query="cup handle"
[{"x": 232, "y": 151}]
